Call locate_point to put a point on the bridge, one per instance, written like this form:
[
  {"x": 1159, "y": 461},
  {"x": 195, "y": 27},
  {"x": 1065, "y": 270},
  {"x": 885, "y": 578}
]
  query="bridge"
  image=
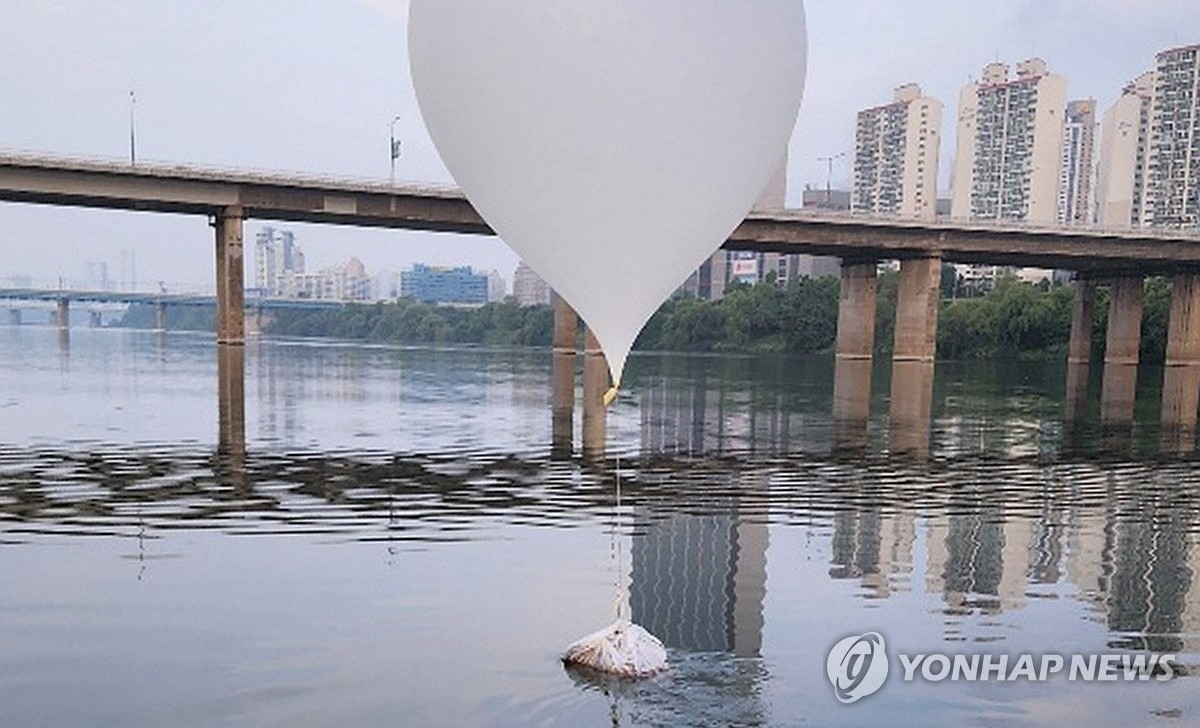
[
  {"x": 63, "y": 298},
  {"x": 1119, "y": 258},
  {"x": 218, "y": 193}
]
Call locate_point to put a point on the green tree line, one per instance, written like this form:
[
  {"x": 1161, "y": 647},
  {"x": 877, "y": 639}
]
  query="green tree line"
[
  {"x": 1014, "y": 320},
  {"x": 179, "y": 318},
  {"x": 409, "y": 322}
]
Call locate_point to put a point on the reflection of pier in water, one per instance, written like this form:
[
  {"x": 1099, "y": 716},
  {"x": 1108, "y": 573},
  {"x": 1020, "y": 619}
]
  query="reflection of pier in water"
[{"x": 697, "y": 411}]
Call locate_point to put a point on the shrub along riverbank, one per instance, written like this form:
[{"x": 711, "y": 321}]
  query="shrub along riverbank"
[{"x": 1016, "y": 320}]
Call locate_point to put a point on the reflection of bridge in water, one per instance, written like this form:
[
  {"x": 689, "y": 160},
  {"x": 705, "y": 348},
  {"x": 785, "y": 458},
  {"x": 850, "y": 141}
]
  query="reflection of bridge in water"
[{"x": 1119, "y": 259}]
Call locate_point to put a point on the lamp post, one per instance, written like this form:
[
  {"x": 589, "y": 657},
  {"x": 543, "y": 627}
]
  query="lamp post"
[
  {"x": 394, "y": 149},
  {"x": 829, "y": 177},
  {"x": 132, "y": 128}
]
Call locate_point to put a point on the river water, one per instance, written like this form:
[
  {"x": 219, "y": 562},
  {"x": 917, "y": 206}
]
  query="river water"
[{"x": 397, "y": 543}]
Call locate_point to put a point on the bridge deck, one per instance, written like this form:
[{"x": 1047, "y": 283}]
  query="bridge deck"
[{"x": 297, "y": 198}]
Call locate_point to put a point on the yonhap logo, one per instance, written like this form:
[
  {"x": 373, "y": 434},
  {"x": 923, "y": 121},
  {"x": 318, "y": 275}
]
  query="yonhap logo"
[{"x": 857, "y": 666}]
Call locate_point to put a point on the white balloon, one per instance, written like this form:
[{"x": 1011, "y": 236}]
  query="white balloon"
[{"x": 613, "y": 144}]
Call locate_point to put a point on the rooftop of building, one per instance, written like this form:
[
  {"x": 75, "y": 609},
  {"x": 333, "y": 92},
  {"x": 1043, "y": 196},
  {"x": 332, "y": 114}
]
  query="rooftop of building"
[
  {"x": 901, "y": 97},
  {"x": 1178, "y": 49},
  {"x": 997, "y": 75}
]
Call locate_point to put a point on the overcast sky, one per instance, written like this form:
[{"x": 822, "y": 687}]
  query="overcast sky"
[{"x": 313, "y": 86}]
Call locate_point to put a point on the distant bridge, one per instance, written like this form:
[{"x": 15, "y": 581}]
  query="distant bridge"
[
  {"x": 63, "y": 298},
  {"x": 169, "y": 299}
]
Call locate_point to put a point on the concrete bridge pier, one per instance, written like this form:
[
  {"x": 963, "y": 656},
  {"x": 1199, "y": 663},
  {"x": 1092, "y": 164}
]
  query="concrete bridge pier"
[
  {"x": 1124, "y": 339},
  {"x": 566, "y": 337},
  {"x": 1181, "y": 373},
  {"x": 595, "y": 384},
  {"x": 913, "y": 355},
  {"x": 95, "y": 319},
  {"x": 855, "y": 349},
  {"x": 1079, "y": 350},
  {"x": 231, "y": 400},
  {"x": 62, "y": 315},
  {"x": 231, "y": 293},
  {"x": 14, "y": 317},
  {"x": 160, "y": 316}
]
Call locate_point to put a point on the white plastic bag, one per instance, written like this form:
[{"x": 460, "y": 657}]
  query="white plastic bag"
[{"x": 622, "y": 649}]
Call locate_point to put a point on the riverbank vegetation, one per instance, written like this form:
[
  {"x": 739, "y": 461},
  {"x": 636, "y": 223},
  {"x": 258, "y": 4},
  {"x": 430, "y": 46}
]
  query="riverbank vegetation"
[{"x": 1015, "y": 320}]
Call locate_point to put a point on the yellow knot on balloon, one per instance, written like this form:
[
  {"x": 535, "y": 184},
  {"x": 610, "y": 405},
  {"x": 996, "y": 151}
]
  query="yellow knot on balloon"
[{"x": 611, "y": 394}]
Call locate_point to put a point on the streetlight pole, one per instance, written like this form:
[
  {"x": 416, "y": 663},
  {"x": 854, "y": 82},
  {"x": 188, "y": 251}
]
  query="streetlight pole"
[
  {"x": 829, "y": 177},
  {"x": 132, "y": 129},
  {"x": 394, "y": 149}
]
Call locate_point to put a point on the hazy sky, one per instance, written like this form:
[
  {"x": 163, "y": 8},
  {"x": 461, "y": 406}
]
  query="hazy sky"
[{"x": 313, "y": 86}]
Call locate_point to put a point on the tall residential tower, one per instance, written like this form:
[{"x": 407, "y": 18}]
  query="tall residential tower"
[
  {"x": 1175, "y": 168},
  {"x": 1150, "y": 153},
  {"x": 1125, "y": 154},
  {"x": 1075, "y": 201},
  {"x": 275, "y": 254},
  {"x": 1010, "y": 138},
  {"x": 896, "y": 156}
]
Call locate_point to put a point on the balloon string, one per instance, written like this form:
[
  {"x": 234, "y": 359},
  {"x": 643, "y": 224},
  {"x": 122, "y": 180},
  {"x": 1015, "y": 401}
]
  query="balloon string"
[{"x": 619, "y": 605}]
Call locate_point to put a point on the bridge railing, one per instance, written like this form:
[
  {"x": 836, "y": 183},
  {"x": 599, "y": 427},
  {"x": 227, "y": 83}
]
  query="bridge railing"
[
  {"x": 220, "y": 173},
  {"x": 79, "y": 285},
  {"x": 820, "y": 214}
]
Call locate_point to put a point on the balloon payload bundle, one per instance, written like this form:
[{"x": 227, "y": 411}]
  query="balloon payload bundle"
[{"x": 622, "y": 649}]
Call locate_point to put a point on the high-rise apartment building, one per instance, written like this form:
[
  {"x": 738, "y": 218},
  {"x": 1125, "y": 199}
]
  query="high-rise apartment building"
[
  {"x": 896, "y": 156},
  {"x": 1075, "y": 202},
  {"x": 1009, "y": 146},
  {"x": 528, "y": 287},
  {"x": 1125, "y": 154},
  {"x": 275, "y": 253},
  {"x": 1150, "y": 147},
  {"x": 1175, "y": 168}
]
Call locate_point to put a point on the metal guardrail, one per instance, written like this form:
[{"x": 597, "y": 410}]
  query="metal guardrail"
[{"x": 217, "y": 173}]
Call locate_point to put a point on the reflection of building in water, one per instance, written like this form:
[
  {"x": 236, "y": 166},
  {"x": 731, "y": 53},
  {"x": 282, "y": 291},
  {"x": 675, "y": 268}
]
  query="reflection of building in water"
[
  {"x": 978, "y": 433},
  {"x": 703, "y": 415},
  {"x": 1138, "y": 573},
  {"x": 1047, "y": 548},
  {"x": 698, "y": 580},
  {"x": 1088, "y": 547},
  {"x": 1191, "y": 607},
  {"x": 978, "y": 557},
  {"x": 1129, "y": 555},
  {"x": 874, "y": 547},
  {"x": 1151, "y": 578},
  {"x": 279, "y": 393}
]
